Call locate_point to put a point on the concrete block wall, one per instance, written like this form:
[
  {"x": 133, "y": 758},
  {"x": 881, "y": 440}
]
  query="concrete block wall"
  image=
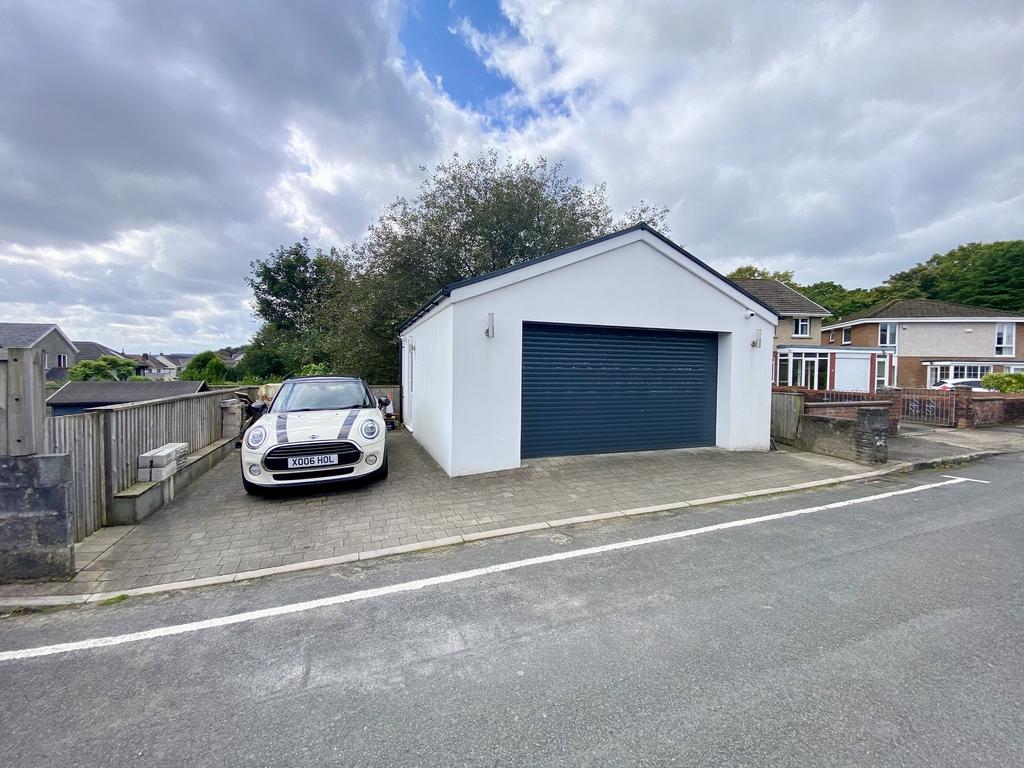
[
  {"x": 35, "y": 527},
  {"x": 864, "y": 439}
]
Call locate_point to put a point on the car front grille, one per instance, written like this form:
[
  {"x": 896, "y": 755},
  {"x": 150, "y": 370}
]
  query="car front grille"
[
  {"x": 346, "y": 451},
  {"x": 314, "y": 474}
]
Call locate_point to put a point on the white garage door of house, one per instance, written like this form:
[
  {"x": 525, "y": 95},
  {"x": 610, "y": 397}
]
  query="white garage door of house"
[
  {"x": 593, "y": 389},
  {"x": 853, "y": 373}
]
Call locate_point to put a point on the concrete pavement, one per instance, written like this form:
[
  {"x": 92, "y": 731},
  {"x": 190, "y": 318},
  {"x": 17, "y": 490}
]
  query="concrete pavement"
[
  {"x": 214, "y": 532},
  {"x": 882, "y": 633}
]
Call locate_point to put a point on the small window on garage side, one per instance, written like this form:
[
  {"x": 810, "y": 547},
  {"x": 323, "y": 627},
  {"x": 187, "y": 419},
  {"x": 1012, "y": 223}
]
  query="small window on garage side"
[{"x": 847, "y": 335}]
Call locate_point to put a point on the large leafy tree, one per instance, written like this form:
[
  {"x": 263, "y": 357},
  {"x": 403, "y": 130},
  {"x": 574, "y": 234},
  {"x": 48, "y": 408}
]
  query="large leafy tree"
[
  {"x": 471, "y": 215},
  {"x": 752, "y": 271},
  {"x": 206, "y": 366},
  {"x": 981, "y": 274},
  {"x": 105, "y": 368}
]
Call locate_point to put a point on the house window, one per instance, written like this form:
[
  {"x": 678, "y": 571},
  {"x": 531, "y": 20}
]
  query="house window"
[
  {"x": 970, "y": 371},
  {"x": 1015, "y": 369},
  {"x": 831, "y": 337},
  {"x": 887, "y": 334},
  {"x": 881, "y": 372},
  {"x": 802, "y": 326},
  {"x": 803, "y": 369},
  {"x": 847, "y": 335},
  {"x": 62, "y": 361},
  {"x": 1005, "y": 339},
  {"x": 937, "y": 373}
]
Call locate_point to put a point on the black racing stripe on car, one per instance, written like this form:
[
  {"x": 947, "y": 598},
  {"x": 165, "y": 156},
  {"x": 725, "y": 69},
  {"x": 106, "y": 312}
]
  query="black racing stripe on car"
[
  {"x": 282, "y": 428},
  {"x": 346, "y": 426}
]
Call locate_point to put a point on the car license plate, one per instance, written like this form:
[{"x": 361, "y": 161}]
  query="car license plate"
[{"x": 301, "y": 462}]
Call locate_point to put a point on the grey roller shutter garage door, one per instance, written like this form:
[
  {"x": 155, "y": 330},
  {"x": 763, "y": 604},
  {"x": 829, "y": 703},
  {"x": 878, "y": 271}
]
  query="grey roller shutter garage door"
[{"x": 592, "y": 389}]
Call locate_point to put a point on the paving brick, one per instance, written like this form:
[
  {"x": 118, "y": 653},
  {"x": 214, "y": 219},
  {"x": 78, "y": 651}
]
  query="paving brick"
[{"x": 214, "y": 528}]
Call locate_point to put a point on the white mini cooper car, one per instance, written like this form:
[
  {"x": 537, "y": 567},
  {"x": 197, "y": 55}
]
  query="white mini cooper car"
[{"x": 317, "y": 430}]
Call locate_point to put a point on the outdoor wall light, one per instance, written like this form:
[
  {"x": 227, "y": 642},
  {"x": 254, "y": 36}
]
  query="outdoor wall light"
[
  {"x": 489, "y": 330},
  {"x": 756, "y": 343}
]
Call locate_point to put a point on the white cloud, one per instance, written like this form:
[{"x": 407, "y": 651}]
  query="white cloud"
[{"x": 149, "y": 152}]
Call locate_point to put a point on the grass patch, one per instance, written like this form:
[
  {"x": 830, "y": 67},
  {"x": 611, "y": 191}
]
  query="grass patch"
[{"x": 113, "y": 600}]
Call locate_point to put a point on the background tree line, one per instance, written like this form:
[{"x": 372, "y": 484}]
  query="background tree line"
[
  {"x": 339, "y": 310},
  {"x": 980, "y": 274}
]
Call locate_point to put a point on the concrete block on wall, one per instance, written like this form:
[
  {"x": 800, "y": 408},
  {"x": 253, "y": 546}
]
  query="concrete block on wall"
[{"x": 36, "y": 539}]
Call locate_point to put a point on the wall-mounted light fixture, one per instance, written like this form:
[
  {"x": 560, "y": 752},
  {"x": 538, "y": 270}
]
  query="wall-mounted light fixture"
[
  {"x": 756, "y": 343},
  {"x": 489, "y": 330}
]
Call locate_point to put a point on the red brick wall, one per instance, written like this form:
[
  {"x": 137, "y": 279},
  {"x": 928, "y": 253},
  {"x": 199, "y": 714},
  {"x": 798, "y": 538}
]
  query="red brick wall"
[
  {"x": 865, "y": 335},
  {"x": 818, "y": 396}
]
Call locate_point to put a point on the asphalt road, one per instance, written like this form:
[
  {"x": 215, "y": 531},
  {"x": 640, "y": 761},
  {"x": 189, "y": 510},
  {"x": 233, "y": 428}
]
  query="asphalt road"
[{"x": 885, "y": 633}]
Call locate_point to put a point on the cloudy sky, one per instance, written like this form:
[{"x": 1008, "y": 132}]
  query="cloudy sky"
[{"x": 150, "y": 150}]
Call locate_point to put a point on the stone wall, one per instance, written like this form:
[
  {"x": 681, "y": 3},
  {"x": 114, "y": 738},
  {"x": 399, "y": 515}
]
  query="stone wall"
[
  {"x": 35, "y": 528},
  {"x": 864, "y": 439}
]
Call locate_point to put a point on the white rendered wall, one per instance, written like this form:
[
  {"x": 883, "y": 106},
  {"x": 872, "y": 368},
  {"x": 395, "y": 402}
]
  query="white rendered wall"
[
  {"x": 427, "y": 385},
  {"x": 634, "y": 285}
]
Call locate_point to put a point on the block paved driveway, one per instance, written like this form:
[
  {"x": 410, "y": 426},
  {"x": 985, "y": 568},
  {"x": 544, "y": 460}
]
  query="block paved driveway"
[{"x": 214, "y": 528}]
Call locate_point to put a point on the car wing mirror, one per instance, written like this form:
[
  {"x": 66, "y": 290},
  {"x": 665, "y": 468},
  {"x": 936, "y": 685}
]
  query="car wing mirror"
[{"x": 259, "y": 407}]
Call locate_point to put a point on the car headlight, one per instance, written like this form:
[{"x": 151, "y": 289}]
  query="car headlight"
[
  {"x": 369, "y": 430},
  {"x": 255, "y": 437}
]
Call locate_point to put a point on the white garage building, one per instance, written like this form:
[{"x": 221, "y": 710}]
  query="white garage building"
[{"x": 624, "y": 343}]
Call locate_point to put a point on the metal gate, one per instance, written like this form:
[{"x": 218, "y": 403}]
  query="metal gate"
[
  {"x": 593, "y": 389},
  {"x": 929, "y": 406}
]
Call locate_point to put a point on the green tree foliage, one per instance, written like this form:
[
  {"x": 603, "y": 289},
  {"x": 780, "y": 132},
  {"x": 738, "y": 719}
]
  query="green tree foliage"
[
  {"x": 840, "y": 301},
  {"x": 106, "y": 368},
  {"x": 977, "y": 274},
  {"x": 754, "y": 272},
  {"x": 980, "y": 274},
  {"x": 1003, "y": 382},
  {"x": 205, "y": 366},
  {"x": 343, "y": 308},
  {"x": 314, "y": 369}
]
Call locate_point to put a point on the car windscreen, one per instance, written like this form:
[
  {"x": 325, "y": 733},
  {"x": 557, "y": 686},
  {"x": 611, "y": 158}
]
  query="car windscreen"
[{"x": 320, "y": 396}]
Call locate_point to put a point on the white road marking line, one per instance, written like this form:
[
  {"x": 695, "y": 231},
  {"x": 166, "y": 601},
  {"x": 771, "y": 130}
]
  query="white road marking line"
[
  {"x": 409, "y": 586},
  {"x": 968, "y": 479}
]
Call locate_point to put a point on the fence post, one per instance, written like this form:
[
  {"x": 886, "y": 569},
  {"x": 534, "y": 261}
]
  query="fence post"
[
  {"x": 35, "y": 524},
  {"x": 108, "y": 462},
  {"x": 24, "y": 402}
]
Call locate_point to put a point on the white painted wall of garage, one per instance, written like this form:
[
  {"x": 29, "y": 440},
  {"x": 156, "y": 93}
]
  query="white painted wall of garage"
[
  {"x": 632, "y": 281},
  {"x": 427, "y": 385}
]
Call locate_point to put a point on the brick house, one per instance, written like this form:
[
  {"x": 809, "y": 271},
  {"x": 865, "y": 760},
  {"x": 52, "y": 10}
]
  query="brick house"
[
  {"x": 927, "y": 341},
  {"x": 799, "y": 358}
]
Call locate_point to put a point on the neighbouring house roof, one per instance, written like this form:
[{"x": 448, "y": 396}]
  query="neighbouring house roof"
[
  {"x": 783, "y": 299},
  {"x": 93, "y": 350},
  {"x": 29, "y": 334},
  {"x": 95, "y": 393},
  {"x": 446, "y": 290},
  {"x": 178, "y": 359},
  {"x": 909, "y": 309},
  {"x": 152, "y": 361}
]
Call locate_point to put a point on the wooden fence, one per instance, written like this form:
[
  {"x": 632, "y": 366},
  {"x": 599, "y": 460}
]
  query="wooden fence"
[
  {"x": 81, "y": 435},
  {"x": 787, "y": 408},
  {"x": 105, "y": 444},
  {"x": 133, "y": 428}
]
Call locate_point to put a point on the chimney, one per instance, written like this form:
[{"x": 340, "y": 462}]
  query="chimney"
[{"x": 145, "y": 355}]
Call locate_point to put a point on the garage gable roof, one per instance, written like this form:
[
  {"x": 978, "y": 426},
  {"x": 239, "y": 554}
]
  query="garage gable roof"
[{"x": 446, "y": 290}]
